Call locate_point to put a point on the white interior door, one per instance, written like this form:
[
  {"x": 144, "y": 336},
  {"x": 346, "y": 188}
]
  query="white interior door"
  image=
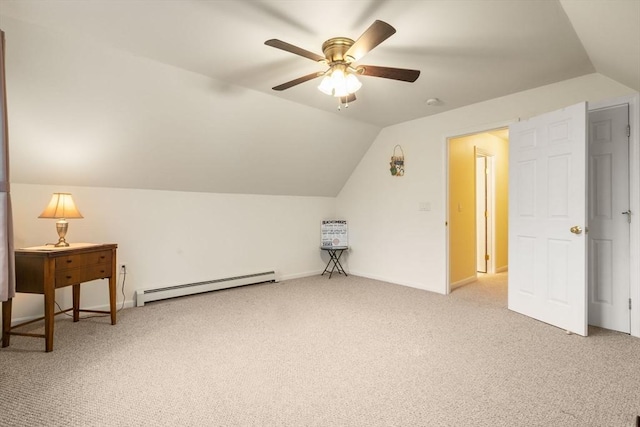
[
  {"x": 609, "y": 226},
  {"x": 547, "y": 199},
  {"x": 481, "y": 214}
]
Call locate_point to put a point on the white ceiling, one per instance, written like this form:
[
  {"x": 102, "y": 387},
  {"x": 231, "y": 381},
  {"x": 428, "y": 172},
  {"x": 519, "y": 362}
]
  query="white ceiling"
[
  {"x": 467, "y": 51},
  {"x": 176, "y": 94}
]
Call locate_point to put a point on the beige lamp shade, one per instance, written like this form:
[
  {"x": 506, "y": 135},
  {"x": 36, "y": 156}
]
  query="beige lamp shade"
[{"x": 61, "y": 206}]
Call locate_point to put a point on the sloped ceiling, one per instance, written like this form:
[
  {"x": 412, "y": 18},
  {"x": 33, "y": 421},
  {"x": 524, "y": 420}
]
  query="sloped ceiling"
[
  {"x": 610, "y": 33},
  {"x": 177, "y": 94}
]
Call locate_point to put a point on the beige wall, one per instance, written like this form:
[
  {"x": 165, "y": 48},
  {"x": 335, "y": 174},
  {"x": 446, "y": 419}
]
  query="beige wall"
[{"x": 462, "y": 213}]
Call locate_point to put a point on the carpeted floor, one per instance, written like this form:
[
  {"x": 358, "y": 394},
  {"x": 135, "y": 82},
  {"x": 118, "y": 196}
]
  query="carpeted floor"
[{"x": 319, "y": 352}]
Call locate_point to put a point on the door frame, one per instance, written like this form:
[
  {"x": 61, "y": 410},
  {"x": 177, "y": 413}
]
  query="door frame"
[
  {"x": 634, "y": 199},
  {"x": 490, "y": 192},
  {"x": 447, "y": 137}
]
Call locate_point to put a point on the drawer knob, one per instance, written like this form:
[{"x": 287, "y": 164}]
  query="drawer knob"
[
  {"x": 69, "y": 261},
  {"x": 69, "y": 277}
]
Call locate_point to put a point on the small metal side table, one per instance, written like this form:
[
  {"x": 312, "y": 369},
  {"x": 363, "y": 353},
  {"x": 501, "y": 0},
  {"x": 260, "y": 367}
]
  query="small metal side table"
[{"x": 335, "y": 252}]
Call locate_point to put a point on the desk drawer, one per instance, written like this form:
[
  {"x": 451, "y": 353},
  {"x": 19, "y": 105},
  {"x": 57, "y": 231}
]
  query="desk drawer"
[
  {"x": 72, "y": 276},
  {"x": 82, "y": 260}
]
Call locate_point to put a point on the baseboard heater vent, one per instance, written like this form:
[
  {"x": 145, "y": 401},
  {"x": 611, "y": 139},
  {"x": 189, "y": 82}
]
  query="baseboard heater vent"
[{"x": 148, "y": 295}]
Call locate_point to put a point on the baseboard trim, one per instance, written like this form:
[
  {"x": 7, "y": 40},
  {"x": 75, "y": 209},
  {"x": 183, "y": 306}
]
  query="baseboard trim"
[
  {"x": 398, "y": 282},
  {"x": 299, "y": 275},
  {"x": 463, "y": 282}
]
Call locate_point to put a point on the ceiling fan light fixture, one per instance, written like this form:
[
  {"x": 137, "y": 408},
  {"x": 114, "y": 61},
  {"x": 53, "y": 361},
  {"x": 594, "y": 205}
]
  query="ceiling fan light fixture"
[
  {"x": 339, "y": 83},
  {"x": 325, "y": 85},
  {"x": 353, "y": 84}
]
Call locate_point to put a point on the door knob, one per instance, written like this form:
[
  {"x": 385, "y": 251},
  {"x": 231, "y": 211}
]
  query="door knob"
[{"x": 576, "y": 229}]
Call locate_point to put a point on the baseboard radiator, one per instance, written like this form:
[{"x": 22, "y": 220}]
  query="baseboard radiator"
[{"x": 148, "y": 295}]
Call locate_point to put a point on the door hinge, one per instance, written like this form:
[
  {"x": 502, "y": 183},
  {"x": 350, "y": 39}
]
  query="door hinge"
[
  {"x": 628, "y": 131},
  {"x": 629, "y": 303},
  {"x": 486, "y": 257}
]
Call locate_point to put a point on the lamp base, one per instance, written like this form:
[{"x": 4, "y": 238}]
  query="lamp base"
[
  {"x": 61, "y": 243},
  {"x": 61, "y": 227}
]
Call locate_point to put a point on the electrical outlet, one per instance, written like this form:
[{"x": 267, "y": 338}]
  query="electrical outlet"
[{"x": 123, "y": 268}]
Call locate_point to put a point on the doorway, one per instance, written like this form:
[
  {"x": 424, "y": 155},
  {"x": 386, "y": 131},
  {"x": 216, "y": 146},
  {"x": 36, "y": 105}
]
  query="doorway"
[
  {"x": 477, "y": 205},
  {"x": 609, "y": 218},
  {"x": 570, "y": 212},
  {"x": 598, "y": 296},
  {"x": 485, "y": 219}
]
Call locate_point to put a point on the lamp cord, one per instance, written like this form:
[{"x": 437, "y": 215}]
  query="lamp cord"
[{"x": 122, "y": 273}]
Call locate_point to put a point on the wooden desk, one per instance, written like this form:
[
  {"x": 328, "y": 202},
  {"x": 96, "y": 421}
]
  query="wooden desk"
[{"x": 43, "y": 269}]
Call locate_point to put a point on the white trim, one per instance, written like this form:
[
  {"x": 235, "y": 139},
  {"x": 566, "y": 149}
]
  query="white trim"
[
  {"x": 634, "y": 201},
  {"x": 502, "y": 269},
  {"x": 472, "y": 130},
  {"x": 300, "y": 275},
  {"x": 494, "y": 212},
  {"x": 394, "y": 281},
  {"x": 491, "y": 207},
  {"x": 447, "y": 285},
  {"x": 463, "y": 282}
]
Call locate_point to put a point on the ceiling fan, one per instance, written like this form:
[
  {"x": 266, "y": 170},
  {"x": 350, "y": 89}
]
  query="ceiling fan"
[{"x": 340, "y": 54}]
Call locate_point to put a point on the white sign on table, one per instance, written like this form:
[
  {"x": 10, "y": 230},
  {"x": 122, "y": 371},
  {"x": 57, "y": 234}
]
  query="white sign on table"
[{"x": 334, "y": 233}]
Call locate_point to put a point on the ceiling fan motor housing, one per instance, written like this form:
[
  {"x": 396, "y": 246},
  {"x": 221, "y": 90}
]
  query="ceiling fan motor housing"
[{"x": 334, "y": 50}]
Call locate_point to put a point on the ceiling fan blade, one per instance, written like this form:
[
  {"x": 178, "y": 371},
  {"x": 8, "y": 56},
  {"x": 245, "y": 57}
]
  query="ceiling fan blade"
[
  {"x": 389, "y": 73},
  {"x": 297, "y": 81},
  {"x": 378, "y": 32},
  {"x": 279, "y": 44},
  {"x": 347, "y": 99}
]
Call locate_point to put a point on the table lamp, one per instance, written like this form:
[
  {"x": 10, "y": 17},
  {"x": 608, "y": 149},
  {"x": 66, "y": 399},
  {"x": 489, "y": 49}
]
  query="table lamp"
[{"x": 61, "y": 207}]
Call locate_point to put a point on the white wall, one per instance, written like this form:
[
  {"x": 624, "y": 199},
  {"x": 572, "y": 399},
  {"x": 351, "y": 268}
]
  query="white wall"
[
  {"x": 171, "y": 238},
  {"x": 391, "y": 240}
]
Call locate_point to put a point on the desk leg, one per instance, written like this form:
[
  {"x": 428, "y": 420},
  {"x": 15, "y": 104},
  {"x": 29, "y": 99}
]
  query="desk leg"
[
  {"x": 76, "y": 302},
  {"x": 6, "y": 322},
  {"x": 112, "y": 298},
  {"x": 327, "y": 267},
  {"x": 49, "y": 314},
  {"x": 332, "y": 254},
  {"x": 338, "y": 265}
]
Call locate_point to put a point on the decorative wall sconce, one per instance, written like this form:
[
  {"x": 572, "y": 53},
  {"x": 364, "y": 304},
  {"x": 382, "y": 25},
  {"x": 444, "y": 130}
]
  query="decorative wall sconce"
[{"x": 397, "y": 161}]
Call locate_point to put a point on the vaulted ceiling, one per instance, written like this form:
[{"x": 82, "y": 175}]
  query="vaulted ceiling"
[{"x": 467, "y": 50}]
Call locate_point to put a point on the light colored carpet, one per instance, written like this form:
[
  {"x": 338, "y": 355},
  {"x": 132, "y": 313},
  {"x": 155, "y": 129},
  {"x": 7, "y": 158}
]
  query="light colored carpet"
[{"x": 322, "y": 352}]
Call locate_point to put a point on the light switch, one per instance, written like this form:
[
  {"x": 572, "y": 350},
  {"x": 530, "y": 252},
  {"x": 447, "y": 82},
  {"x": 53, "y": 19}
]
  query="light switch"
[{"x": 424, "y": 206}]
